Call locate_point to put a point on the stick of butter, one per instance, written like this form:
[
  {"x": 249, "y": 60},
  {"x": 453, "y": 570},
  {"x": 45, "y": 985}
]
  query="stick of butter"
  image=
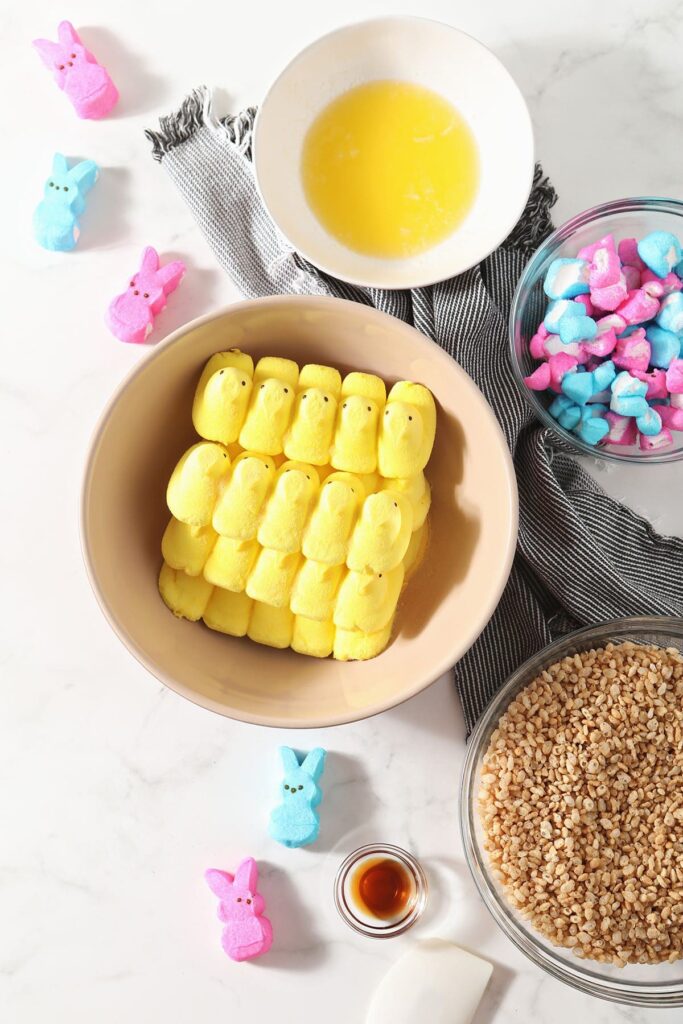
[{"x": 434, "y": 981}]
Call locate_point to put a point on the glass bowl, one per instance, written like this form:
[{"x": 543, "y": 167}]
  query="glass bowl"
[
  {"x": 624, "y": 218},
  {"x": 658, "y": 985},
  {"x": 351, "y": 912}
]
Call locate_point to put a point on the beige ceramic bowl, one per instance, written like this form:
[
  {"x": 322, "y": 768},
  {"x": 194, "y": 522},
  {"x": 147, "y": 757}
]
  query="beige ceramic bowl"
[{"x": 147, "y": 426}]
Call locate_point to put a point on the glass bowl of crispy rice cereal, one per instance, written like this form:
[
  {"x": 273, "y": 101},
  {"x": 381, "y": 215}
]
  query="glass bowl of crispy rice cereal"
[{"x": 572, "y": 810}]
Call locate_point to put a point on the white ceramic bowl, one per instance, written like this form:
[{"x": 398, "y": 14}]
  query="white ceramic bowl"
[{"x": 427, "y": 53}]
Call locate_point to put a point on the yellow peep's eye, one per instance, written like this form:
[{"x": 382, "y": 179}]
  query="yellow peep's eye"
[{"x": 325, "y": 398}]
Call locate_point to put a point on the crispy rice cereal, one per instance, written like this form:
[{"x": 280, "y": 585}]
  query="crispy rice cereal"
[{"x": 581, "y": 803}]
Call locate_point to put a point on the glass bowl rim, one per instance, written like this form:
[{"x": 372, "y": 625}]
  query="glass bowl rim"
[
  {"x": 559, "y": 235},
  {"x": 581, "y": 977}
]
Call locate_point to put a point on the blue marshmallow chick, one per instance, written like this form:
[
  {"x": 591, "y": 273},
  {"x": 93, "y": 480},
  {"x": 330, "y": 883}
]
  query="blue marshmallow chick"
[
  {"x": 295, "y": 821},
  {"x": 55, "y": 221}
]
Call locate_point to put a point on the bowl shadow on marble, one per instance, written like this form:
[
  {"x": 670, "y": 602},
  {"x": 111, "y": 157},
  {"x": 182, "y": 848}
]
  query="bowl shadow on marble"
[
  {"x": 140, "y": 89},
  {"x": 297, "y": 946},
  {"x": 347, "y": 799},
  {"x": 453, "y": 535},
  {"x": 104, "y": 222}
]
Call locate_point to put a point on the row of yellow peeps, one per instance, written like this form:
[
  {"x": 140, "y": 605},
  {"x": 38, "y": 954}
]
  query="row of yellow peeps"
[
  {"x": 332, "y": 628},
  {"x": 334, "y": 518},
  {"x": 313, "y": 416},
  {"x": 284, "y": 526}
]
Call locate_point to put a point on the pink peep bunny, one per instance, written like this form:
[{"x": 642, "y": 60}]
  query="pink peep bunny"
[
  {"x": 130, "y": 316},
  {"x": 247, "y": 932},
  {"x": 77, "y": 73}
]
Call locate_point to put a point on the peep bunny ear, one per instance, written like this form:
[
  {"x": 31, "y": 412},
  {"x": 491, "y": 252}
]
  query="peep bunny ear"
[
  {"x": 150, "y": 260},
  {"x": 219, "y": 882},
  {"x": 170, "y": 275},
  {"x": 59, "y": 165},
  {"x": 84, "y": 175},
  {"x": 290, "y": 762},
  {"x": 67, "y": 34},
  {"x": 246, "y": 876},
  {"x": 314, "y": 763},
  {"x": 48, "y": 51}
]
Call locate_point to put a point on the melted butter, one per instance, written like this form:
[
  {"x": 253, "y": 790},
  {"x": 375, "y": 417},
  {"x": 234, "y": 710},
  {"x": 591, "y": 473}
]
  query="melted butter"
[{"x": 390, "y": 169}]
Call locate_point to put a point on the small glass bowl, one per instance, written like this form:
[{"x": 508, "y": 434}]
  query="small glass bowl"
[
  {"x": 624, "y": 218},
  {"x": 653, "y": 985},
  {"x": 381, "y": 929}
]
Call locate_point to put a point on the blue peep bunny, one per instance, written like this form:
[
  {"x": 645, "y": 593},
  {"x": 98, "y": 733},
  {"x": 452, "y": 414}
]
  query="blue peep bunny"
[
  {"x": 55, "y": 221},
  {"x": 295, "y": 821}
]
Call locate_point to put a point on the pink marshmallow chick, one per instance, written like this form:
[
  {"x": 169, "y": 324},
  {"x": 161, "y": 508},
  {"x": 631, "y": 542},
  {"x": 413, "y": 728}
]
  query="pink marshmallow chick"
[
  {"x": 605, "y": 269},
  {"x": 589, "y": 251},
  {"x": 671, "y": 417},
  {"x": 537, "y": 343},
  {"x": 247, "y": 932},
  {"x": 76, "y": 71},
  {"x": 656, "y": 382},
  {"x": 628, "y": 254},
  {"x": 602, "y": 344},
  {"x": 611, "y": 296},
  {"x": 654, "y": 288},
  {"x": 650, "y": 443},
  {"x": 130, "y": 316},
  {"x": 558, "y": 365},
  {"x": 586, "y": 302},
  {"x": 539, "y": 380},
  {"x": 611, "y": 322},
  {"x": 632, "y": 352},
  {"x": 632, "y": 277},
  {"x": 638, "y": 307},
  {"x": 670, "y": 283},
  {"x": 622, "y": 429},
  {"x": 674, "y": 377}
]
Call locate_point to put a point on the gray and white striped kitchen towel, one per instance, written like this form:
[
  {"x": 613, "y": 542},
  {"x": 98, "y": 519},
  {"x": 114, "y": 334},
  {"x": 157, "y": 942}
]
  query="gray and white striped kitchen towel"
[{"x": 581, "y": 556}]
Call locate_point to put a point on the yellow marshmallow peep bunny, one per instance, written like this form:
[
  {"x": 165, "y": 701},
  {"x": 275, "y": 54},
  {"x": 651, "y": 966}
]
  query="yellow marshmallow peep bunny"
[
  {"x": 288, "y": 507},
  {"x": 270, "y": 407},
  {"x": 222, "y": 396},
  {"x": 326, "y": 536},
  {"x": 238, "y": 509},
  {"x": 354, "y": 448},
  {"x": 407, "y": 429},
  {"x": 310, "y": 434},
  {"x": 196, "y": 483}
]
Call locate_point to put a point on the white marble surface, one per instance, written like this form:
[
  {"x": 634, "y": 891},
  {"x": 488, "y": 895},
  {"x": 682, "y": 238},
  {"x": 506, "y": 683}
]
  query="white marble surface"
[{"x": 115, "y": 793}]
